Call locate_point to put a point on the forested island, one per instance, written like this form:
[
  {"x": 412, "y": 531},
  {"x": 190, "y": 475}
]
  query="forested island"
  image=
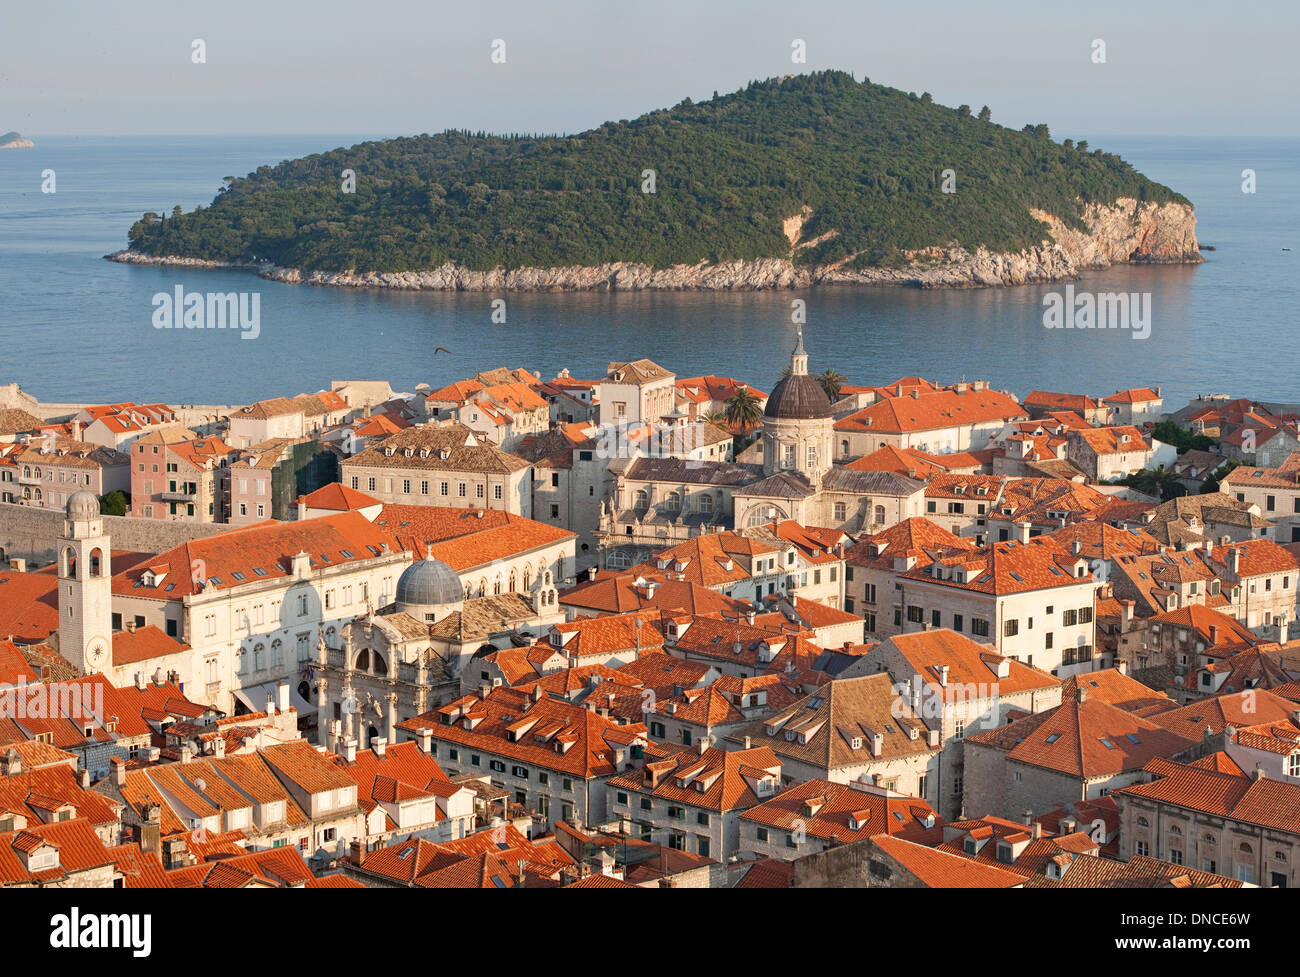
[
  {"x": 804, "y": 178},
  {"x": 14, "y": 140}
]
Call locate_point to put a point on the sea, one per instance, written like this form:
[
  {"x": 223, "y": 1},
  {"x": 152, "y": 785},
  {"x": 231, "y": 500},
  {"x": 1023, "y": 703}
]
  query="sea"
[{"x": 74, "y": 327}]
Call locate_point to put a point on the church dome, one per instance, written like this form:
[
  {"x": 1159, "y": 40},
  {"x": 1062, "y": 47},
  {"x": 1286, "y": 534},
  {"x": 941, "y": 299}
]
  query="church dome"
[
  {"x": 429, "y": 583},
  {"x": 798, "y": 397},
  {"x": 83, "y": 506}
]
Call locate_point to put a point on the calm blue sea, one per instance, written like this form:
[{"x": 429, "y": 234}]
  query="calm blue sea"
[{"x": 73, "y": 326}]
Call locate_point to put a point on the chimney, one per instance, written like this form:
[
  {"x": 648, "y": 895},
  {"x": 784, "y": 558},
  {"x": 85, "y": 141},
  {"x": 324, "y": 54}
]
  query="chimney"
[
  {"x": 1126, "y": 614},
  {"x": 350, "y": 750},
  {"x": 749, "y": 617},
  {"x": 483, "y": 689},
  {"x": 591, "y": 573},
  {"x": 357, "y": 852},
  {"x": 118, "y": 766},
  {"x": 1259, "y": 773},
  {"x": 425, "y": 739},
  {"x": 1080, "y": 694},
  {"x": 943, "y": 675},
  {"x": 877, "y": 744},
  {"x": 1028, "y": 817},
  {"x": 1234, "y": 560},
  {"x": 148, "y": 834},
  {"x": 1076, "y": 547},
  {"x": 704, "y": 745},
  {"x": 187, "y": 754},
  {"x": 1036, "y": 831},
  {"x": 219, "y": 747},
  {"x": 1023, "y": 531},
  {"x": 1214, "y": 635},
  {"x": 139, "y": 681},
  {"x": 270, "y": 703},
  {"x": 130, "y": 627},
  {"x": 932, "y": 738},
  {"x": 282, "y": 697},
  {"x": 83, "y": 778},
  {"x": 379, "y": 744},
  {"x": 11, "y": 765},
  {"x": 747, "y": 742},
  {"x": 17, "y": 565}
]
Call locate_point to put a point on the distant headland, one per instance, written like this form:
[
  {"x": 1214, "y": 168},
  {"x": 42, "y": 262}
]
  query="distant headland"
[{"x": 13, "y": 140}]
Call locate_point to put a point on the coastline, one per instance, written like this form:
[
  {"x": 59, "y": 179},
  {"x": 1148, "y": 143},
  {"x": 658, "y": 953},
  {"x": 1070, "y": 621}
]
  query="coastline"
[{"x": 1126, "y": 232}]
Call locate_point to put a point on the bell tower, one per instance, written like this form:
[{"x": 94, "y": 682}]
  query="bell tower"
[{"x": 85, "y": 587}]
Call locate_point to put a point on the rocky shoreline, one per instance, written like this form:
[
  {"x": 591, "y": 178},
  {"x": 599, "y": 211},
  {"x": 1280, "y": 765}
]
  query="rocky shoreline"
[{"x": 1124, "y": 232}]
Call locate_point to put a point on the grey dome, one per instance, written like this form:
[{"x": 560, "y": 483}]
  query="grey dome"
[
  {"x": 429, "y": 583},
  {"x": 798, "y": 397},
  {"x": 83, "y": 506}
]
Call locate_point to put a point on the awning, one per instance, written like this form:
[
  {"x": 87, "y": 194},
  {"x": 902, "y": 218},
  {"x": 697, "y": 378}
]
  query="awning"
[{"x": 254, "y": 698}]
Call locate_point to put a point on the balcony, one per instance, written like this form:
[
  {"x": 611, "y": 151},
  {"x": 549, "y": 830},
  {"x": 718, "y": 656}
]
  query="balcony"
[
  {"x": 30, "y": 479},
  {"x": 177, "y": 496}
]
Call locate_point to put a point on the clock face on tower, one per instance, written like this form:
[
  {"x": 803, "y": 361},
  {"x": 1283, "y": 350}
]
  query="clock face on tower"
[{"x": 97, "y": 654}]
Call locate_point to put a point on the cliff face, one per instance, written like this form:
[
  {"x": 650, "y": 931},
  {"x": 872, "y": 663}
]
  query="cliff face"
[{"x": 1124, "y": 232}]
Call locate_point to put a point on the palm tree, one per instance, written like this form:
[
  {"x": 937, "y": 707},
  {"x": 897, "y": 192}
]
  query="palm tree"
[
  {"x": 1162, "y": 482},
  {"x": 744, "y": 410},
  {"x": 713, "y": 417},
  {"x": 831, "y": 382}
]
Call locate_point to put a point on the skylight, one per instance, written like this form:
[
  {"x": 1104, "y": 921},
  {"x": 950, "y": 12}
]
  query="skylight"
[
  {"x": 1132, "y": 737},
  {"x": 1053, "y": 738},
  {"x": 1107, "y": 743},
  {"x": 259, "y": 571}
]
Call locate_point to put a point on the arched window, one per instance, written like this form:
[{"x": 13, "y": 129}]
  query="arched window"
[
  {"x": 363, "y": 660},
  {"x": 496, "y": 585},
  {"x": 641, "y": 500},
  {"x": 763, "y": 514},
  {"x": 1143, "y": 823},
  {"x": 512, "y": 581},
  {"x": 673, "y": 503},
  {"x": 528, "y": 579},
  {"x": 880, "y": 514},
  {"x": 259, "y": 657},
  {"x": 482, "y": 586},
  {"x": 330, "y": 636},
  {"x": 617, "y": 560},
  {"x": 381, "y": 666},
  {"x": 844, "y": 448},
  {"x": 96, "y": 562},
  {"x": 277, "y": 653},
  {"x": 69, "y": 562},
  {"x": 548, "y": 578}
]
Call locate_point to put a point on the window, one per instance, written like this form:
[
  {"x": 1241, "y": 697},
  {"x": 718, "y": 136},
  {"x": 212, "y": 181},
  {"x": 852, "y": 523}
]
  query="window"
[
  {"x": 1010, "y": 628},
  {"x": 1069, "y": 618},
  {"x": 915, "y": 614},
  {"x": 957, "y": 622},
  {"x": 959, "y": 729},
  {"x": 841, "y": 511},
  {"x": 620, "y": 798},
  {"x": 979, "y": 626}
]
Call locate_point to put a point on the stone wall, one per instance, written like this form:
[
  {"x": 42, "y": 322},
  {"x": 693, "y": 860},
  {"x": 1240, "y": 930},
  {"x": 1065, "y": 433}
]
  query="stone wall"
[{"x": 30, "y": 533}]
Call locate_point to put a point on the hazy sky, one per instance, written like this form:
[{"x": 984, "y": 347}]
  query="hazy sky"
[{"x": 389, "y": 67}]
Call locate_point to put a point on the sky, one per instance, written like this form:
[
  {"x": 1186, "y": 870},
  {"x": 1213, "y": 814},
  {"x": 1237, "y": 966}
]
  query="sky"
[{"x": 397, "y": 67}]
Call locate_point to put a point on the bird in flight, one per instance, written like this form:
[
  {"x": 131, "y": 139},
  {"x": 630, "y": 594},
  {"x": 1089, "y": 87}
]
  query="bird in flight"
[{"x": 441, "y": 349}]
